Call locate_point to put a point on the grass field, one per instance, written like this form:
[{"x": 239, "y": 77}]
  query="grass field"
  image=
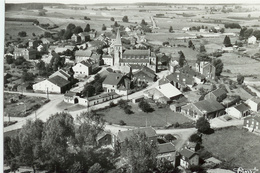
[
  {"x": 236, "y": 146},
  {"x": 23, "y": 106},
  {"x": 160, "y": 117}
]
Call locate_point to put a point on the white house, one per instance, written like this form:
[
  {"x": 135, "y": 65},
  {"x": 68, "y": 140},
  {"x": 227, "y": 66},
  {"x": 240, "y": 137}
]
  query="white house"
[
  {"x": 82, "y": 69},
  {"x": 251, "y": 40},
  {"x": 254, "y": 103},
  {"x": 238, "y": 111},
  {"x": 108, "y": 60},
  {"x": 188, "y": 158},
  {"x": 186, "y": 28},
  {"x": 55, "y": 84}
]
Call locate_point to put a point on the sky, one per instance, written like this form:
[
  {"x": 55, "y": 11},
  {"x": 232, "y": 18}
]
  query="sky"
[{"x": 134, "y": 1}]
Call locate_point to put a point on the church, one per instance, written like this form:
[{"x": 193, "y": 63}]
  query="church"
[{"x": 124, "y": 60}]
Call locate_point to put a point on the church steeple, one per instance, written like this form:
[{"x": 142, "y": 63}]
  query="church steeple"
[{"x": 118, "y": 38}]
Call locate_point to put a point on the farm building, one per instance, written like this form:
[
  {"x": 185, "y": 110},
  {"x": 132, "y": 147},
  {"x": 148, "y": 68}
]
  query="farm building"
[
  {"x": 251, "y": 40},
  {"x": 254, "y": 103},
  {"x": 26, "y": 53},
  {"x": 239, "y": 111},
  {"x": 82, "y": 55},
  {"x": 208, "y": 108},
  {"x": 55, "y": 84},
  {"x": 218, "y": 95},
  {"x": 62, "y": 74},
  {"x": 82, "y": 69},
  {"x": 188, "y": 158},
  {"x": 167, "y": 151},
  {"x": 206, "y": 68}
]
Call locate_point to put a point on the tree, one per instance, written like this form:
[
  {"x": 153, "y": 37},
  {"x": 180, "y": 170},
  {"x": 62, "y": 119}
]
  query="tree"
[
  {"x": 182, "y": 59},
  {"x": 42, "y": 13},
  {"x": 77, "y": 30},
  {"x": 248, "y": 32},
  {"x": 222, "y": 30},
  {"x": 112, "y": 19},
  {"x": 27, "y": 76},
  {"x": 125, "y": 19},
  {"x": 143, "y": 22},
  {"x": 87, "y": 28},
  {"x": 202, "y": 125},
  {"x": 170, "y": 29},
  {"x": 89, "y": 90},
  {"x": 47, "y": 34},
  {"x": 22, "y": 34},
  {"x": 71, "y": 27},
  {"x": 203, "y": 57},
  {"x": 256, "y": 33},
  {"x": 67, "y": 34},
  {"x": 242, "y": 31},
  {"x": 240, "y": 79},
  {"x": 30, "y": 138},
  {"x": 249, "y": 16},
  {"x": 96, "y": 168},
  {"x": 145, "y": 106},
  {"x": 104, "y": 27},
  {"x": 195, "y": 138},
  {"x": 116, "y": 24},
  {"x": 218, "y": 64},
  {"x": 202, "y": 48},
  {"x": 190, "y": 44},
  {"x": 9, "y": 59},
  {"x": 90, "y": 126},
  {"x": 19, "y": 60},
  {"x": 58, "y": 135},
  {"x": 227, "y": 41},
  {"x": 140, "y": 153}
]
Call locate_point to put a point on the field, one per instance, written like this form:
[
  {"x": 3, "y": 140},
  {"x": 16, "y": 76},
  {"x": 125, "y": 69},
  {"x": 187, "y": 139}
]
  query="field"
[
  {"x": 236, "y": 146},
  {"x": 21, "y": 106},
  {"x": 158, "y": 118}
]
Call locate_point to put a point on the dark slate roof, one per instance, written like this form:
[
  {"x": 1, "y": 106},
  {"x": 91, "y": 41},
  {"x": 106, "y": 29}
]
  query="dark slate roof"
[
  {"x": 136, "y": 53},
  {"x": 142, "y": 75},
  {"x": 149, "y": 132},
  {"x": 257, "y": 118},
  {"x": 166, "y": 148},
  {"x": 179, "y": 77},
  {"x": 86, "y": 63},
  {"x": 188, "y": 70},
  {"x": 133, "y": 60},
  {"x": 209, "y": 106},
  {"x": 84, "y": 53},
  {"x": 113, "y": 79},
  {"x": 219, "y": 92},
  {"x": 242, "y": 107},
  {"x": 61, "y": 72},
  {"x": 70, "y": 94},
  {"x": 135, "y": 66},
  {"x": 187, "y": 153},
  {"x": 59, "y": 81}
]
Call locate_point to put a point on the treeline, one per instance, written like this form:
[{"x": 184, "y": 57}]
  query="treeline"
[
  {"x": 21, "y": 19},
  {"x": 9, "y": 7}
]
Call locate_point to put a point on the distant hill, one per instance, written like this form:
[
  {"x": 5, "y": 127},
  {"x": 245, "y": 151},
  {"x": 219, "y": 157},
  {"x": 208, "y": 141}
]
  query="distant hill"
[{"x": 17, "y": 7}]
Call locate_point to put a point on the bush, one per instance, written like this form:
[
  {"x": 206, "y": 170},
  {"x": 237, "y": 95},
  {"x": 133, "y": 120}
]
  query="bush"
[
  {"x": 202, "y": 125},
  {"x": 128, "y": 110},
  {"x": 112, "y": 104},
  {"x": 145, "y": 106},
  {"x": 122, "y": 123},
  {"x": 112, "y": 19},
  {"x": 22, "y": 34},
  {"x": 195, "y": 138}
]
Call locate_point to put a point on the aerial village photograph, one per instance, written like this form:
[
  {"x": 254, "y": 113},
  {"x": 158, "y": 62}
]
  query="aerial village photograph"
[{"x": 131, "y": 86}]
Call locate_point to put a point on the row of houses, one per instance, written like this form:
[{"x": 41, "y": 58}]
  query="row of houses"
[{"x": 186, "y": 157}]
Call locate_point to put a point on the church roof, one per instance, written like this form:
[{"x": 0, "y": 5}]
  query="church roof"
[{"x": 118, "y": 38}]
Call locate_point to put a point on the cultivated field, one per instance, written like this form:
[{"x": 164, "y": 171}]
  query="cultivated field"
[{"x": 235, "y": 146}]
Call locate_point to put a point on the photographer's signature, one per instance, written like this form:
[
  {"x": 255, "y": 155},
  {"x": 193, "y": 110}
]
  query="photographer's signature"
[{"x": 242, "y": 170}]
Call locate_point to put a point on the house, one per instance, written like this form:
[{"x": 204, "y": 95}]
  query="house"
[
  {"x": 207, "y": 69},
  {"x": 108, "y": 60},
  {"x": 218, "y": 95},
  {"x": 82, "y": 69},
  {"x": 188, "y": 158},
  {"x": 69, "y": 97},
  {"x": 105, "y": 139},
  {"x": 26, "y": 53},
  {"x": 62, "y": 74},
  {"x": 167, "y": 151},
  {"x": 76, "y": 38},
  {"x": 254, "y": 103},
  {"x": 127, "y": 134},
  {"x": 64, "y": 48},
  {"x": 145, "y": 74},
  {"x": 163, "y": 93},
  {"x": 227, "y": 49},
  {"x": 116, "y": 82},
  {"x": 33, "y": 43},
  {"x": 94, "y": 100},
  {"x": 193, "y": 146},
  {"x": 182, "y": 81},
  {"x": 82, "y": 55},
  {"x": 198, "y": 78},
  {"x": 186, "y": 29},
  {"x": 55, "y": 84},
  {"x": 86, "y": 36},
  {"x": 207, "y": 108},
  {"x": 251, "y": 40},
  {"x": 47, "y": 40},
  {"x": 252, "y": 123},
  {"x": 238, "y": 111},
  {"x": 176, "y": 105}
]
